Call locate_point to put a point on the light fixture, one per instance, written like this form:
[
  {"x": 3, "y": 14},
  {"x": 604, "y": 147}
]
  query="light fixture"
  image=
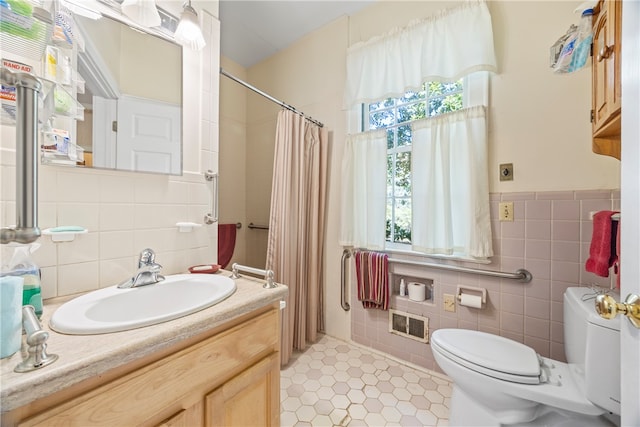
[
  {"x": 189, "y": 33},
  {"x": 143, "y": 12}
]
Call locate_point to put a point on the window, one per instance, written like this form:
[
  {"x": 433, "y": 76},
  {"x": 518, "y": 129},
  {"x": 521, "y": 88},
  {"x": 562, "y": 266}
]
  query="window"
[{"x": 395, "y": 115}]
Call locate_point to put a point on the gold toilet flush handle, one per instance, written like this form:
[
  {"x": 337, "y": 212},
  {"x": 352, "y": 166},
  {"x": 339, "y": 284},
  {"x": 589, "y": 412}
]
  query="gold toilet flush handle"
[{"x": 608, "y": 308}]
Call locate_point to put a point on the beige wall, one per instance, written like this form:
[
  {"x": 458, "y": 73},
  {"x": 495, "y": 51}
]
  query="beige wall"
[
  {"x": 158, "y": 60},
  {"x": 539, "y": 121},
  {"x": 233, "y": 152},
  {"x": 127, "y": 212}
]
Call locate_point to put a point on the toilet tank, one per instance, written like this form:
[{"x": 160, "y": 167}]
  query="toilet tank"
[
  {"x": 592, "y": 347},
  {"x": 575, "y": 315}
]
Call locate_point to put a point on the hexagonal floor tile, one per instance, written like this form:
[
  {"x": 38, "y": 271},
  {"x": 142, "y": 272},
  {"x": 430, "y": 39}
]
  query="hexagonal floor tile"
[{"x": 334, "y": 383}]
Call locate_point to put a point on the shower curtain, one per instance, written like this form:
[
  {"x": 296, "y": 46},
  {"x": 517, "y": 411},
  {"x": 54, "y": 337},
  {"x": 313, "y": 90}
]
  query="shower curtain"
[{"x": 297, "y": 226}]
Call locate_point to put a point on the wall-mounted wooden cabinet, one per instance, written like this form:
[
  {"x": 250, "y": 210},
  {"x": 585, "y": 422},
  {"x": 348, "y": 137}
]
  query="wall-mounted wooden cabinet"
[{"x": 607, "y": 34}]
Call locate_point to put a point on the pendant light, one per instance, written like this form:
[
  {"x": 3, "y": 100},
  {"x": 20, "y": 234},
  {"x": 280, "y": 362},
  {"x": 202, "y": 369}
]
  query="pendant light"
[
  {"x": 189, "y": 33},
  {"x": 143, "y": 12}
]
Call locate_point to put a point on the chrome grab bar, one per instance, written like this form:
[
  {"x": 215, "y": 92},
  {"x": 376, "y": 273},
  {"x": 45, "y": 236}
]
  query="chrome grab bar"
[
  {"x": 346, "y": 254},
  {"x": 521, "y": 274},
  {"x": 258, "y": 227},
  {"x": 212, "y": 216},
  {"x": 268, "y": 274},
  {"x": 27, "y": 89}
]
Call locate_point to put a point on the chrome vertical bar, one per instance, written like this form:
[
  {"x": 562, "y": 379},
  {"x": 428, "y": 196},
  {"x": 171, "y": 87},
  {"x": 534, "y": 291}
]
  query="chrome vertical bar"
[
  {"x": 346, "y": 254},
  {"x": 27, "y": 89}
]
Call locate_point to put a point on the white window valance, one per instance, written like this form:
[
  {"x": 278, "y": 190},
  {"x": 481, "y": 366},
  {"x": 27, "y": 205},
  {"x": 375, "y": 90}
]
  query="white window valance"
[{"x": 444, "y": 47}]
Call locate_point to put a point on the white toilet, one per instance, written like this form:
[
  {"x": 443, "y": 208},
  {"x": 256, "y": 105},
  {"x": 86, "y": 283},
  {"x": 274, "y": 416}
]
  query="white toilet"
[{"x": 498, "y": 381}]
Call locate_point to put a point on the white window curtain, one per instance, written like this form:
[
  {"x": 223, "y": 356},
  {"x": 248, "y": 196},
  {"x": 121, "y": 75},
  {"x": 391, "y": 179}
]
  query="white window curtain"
[
  {"x": 444, "y": 47},
  {"x": 364, "y": 190},
  {"x": 451, "y": 184}
]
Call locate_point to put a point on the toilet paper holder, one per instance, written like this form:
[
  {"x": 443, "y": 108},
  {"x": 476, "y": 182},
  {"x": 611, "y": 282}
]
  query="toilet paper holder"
[{"x": 482, "y": 292}]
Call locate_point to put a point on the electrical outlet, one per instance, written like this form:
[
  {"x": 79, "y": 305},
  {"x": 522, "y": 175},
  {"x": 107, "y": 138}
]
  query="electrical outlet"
[
  {"x": 449, "y": 302},
  {"x": 505, "y": 211}
]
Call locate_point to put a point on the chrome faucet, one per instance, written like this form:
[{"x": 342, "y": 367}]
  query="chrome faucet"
[{"x": 148, "y": 271}]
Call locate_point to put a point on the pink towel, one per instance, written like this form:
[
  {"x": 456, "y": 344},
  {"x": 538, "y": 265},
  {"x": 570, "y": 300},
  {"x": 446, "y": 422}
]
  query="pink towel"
[
  {"x": 602, "y": 253},
  {"x": 226, "y": 243},
  {"x": 373, "y": 279}
]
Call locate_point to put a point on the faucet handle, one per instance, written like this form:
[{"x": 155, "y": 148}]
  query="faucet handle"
[{"x": 147, "y": 256}]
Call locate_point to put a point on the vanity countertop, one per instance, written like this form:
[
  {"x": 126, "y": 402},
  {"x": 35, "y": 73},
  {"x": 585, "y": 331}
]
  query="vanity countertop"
[{"x": 82, "y": 357}]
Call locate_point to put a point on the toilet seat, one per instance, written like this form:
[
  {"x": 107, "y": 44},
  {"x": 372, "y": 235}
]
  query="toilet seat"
[{"x": 491, "y": 355}]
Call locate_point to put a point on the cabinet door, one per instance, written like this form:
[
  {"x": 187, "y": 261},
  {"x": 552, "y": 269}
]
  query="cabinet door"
[
  {"x": 602, "y": 68},
  {"x": 252, "y": 398},
  {"x": 606, "y": 78}
]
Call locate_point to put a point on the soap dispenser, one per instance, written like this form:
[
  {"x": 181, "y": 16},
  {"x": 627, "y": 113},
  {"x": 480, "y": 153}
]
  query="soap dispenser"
[{"x": 403, "y": 288}]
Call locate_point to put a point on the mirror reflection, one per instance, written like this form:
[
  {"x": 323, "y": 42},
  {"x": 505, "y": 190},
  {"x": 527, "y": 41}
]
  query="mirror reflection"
[{"x": 132, "y": 100}]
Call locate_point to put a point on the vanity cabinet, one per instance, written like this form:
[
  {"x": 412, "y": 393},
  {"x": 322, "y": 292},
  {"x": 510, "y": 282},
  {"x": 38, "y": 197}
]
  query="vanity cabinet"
[
  {"x": 230, "y": 378},
  {"x": 605, "y": 114}
]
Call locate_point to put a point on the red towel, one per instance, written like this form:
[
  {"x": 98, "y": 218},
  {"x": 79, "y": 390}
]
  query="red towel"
[
  {"x": 226, "y": 243},
  {"x": 373, "y": 279},
  {"x": 602, "y": 253}
]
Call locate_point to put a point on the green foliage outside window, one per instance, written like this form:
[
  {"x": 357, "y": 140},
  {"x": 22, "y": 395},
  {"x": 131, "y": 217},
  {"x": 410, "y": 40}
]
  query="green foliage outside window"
[{"x": 395, "y": 114}]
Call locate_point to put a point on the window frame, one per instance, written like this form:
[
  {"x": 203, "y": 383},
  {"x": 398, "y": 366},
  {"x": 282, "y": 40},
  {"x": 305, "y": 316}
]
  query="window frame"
[{"x": 475, "y": 92}]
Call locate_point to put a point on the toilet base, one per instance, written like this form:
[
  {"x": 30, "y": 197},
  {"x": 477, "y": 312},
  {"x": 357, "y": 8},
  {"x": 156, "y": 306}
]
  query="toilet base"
[{"x": 467, "y": 412}]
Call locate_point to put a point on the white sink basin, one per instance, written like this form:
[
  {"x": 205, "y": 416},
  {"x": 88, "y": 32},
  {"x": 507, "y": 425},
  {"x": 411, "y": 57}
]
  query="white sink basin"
[{"x": 113, "y": 309}]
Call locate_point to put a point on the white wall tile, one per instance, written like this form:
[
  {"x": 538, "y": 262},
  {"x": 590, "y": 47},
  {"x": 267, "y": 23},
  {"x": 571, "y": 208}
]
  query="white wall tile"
[
  {"x": 8, "y": 213},
  {"x": 159, "y": 191},
  {"x": 116, "y": 271},
  {"x": 47, "y": 184},
  {"x": 8, "y": 182},
  {"x": 84, "y": 248},
  {"x": 47, "y": 254},
  {"x": 85, "y": 215},
  {"x": 49, "y": 282},
  {"x": 79, "y": 186},
  {"x": 196, "y": 213},
  {"x": 158, "y": 216},
  {"x": 198, "y": 193},
  {"x": 116, "y": 189},
  {"x": 116, "y": 244},
  {"x": 116, "y": 216},
  {"x": 47, "y": 215},
  {"x": 75, "y": 278},
  {"x": 160, "y": 240}
]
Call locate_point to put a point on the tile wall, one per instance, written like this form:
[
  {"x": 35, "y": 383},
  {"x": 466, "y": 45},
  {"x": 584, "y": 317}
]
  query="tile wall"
[
  {"x": 550, "y": 236},
  {"x": 127, "y": 212}
]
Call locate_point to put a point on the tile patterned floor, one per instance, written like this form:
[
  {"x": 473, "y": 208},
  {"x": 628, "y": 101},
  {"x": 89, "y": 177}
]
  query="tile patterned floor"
[{"x": 334, "y": 383}]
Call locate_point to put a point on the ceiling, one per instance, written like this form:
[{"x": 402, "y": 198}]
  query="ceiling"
[{"x": 254, "y": 30}]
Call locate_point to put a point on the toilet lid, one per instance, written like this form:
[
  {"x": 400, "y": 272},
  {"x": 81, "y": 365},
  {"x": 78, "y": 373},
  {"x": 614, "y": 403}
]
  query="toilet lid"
[{"x": 489, "y": 354}]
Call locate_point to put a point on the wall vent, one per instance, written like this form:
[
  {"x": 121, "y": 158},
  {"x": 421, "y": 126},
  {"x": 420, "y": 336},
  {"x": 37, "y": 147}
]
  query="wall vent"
[{"x": 409, "y": 325}]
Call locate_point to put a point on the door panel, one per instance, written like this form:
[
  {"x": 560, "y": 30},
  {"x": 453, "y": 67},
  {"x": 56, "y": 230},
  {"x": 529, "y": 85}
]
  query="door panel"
[
  {"x": 149, "y": 137},
  {"x": 630, "y": 209}
]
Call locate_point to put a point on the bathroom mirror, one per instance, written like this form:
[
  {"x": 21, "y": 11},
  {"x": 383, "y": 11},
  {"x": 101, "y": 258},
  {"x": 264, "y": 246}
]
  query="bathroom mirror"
[{"x": 132, "y": 98}]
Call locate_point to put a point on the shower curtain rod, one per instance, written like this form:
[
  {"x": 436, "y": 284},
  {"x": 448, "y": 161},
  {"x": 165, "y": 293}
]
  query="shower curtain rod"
[{"x": 269, "y": 97}]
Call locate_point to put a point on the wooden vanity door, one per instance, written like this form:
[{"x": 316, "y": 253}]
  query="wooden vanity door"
[{"x": 252, "y": 398}]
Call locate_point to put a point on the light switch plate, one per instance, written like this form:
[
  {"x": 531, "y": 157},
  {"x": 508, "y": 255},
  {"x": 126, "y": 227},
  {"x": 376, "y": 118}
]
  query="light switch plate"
[{"x": 505, "y": 211}]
